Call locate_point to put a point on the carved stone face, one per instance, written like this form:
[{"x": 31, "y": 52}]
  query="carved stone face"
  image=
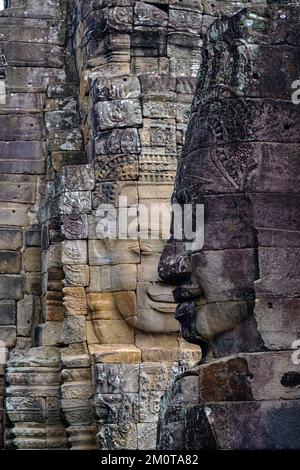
[
  {"x": 126, "y": 270},
  {"x": 239, "y": 160}
]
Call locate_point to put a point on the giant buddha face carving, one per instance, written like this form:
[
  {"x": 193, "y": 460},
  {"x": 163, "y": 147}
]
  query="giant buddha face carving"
[
  {"x": 239, "y": 161},
  {"x": 126, "y": 277}
]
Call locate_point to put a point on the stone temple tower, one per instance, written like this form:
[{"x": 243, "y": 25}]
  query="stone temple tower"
[{"x": 95, "y": 101}]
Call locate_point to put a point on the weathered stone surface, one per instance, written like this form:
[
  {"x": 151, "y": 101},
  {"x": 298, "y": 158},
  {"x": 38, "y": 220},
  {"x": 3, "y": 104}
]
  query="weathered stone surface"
[
  {"x": 117, "y": 436},
  {"x": 76, "y": 178},
  {"x": 103, "y": 306},
  {"x": 117, "y": 378},
  {"x": 32, "y": 259},
  {"x": 239, "y": 279},
  {"x": 65, "y": 141},
  {"x": 126, "y": 305},
  {"x": 16, "y": 127},
  {"x": 149, "y": 15},
  {"x": 77, "y": 411},
  {"x": 228, "y": 222},
  {"x": 17, "y": 188},
  {"x": 37, "y": 31},
  {"x": 10, "y": 239},
  {"x": 10, "y": 262},
  {"x": 103, "y": 252},
  {"x": 50, "y": 333},
  {"x": 76, "y": 390},
  {"x": 11, "y": 287},
  {"x": 35, "y": 357},
  {"x": 119, "y": 113},
  {"x": 109, "y": 332},
  {"x": 147, "y": 436},
  {"x": 76, "y": 275},
  {"x": 116, "y": 408},
  {"x": 73, "y": 330},
  {"x": 279, "y": 273},
  {"x": 8, "y": 336},
  {"x": 149, "y": 406},
  {"x": 120, "y": 354},
  {"x": 117, "y": 141},
  {"x": 111, "y": 279},
  {"x": 155, "y": 308},
  {"x": 74, "y": 252},
  {"x": 277, "y": 321},
  {"x": 33, "y": 237},
  {"x": 63, "y": 120},
  {"x": 74, "y": 301},
  {"x": 75, "y": 356},
  {"x": 119, "y": 88},
  {"x": 157, "y": 377},
  {"x": 8, "y": 312},
  {"x": 122, "y": 167},
  {"x": 28, "y": 409},
  {"x": 27, "y": 309},
  {"x": 14, "y": 214},
  {"x": 74, "y": 226},
  {"x": 236, "y": 416},
  {"x": 75, "y": 202},
  {"x": 159, "y": 133},
  {"x": 52, "y": 305}
]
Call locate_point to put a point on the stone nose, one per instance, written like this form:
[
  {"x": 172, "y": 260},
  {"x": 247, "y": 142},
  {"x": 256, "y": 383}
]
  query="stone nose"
[{"x": 175, "y": 263}]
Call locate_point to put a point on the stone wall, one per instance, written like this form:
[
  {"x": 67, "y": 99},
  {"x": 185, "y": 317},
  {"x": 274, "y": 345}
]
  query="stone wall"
[
  {"x": 32, "y": 43},
  {"x": 94, "y": 103}
]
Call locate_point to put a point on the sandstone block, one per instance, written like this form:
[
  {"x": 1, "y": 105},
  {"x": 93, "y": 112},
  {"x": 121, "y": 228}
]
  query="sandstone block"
[
  {"x": 10, "y": 262},
  {"x": 111, "y": 278},
  {"x": 10, "y": 239},
  {"x": 147, "y": 433},
  {"x": 27, "y": 310},
  {"x": 76, "y": 390},
  {"x": 75, "y": 202},
  {"x": 120, "y": 113},
  {"x": 74, "y": 301},
  {"x": 102, "y": 252},
  {"x": 11, "y": 287},
  {"x": 116, "y": 408},
  {"x": 8, "y": 312},
  {"x": 75, "y": 356},
  {"x": 8, "y": 336},
  {"x": 119, "y": 88},
  {"x": 32, "y": 259},
  {"x": 118, "y": 354},
  {"x": 76, "y": 178},
  {"x": 76, "y": 275},
  {"x": 149, "y": 406},
  {"x": 74, "y": 226},
  {"x": 50, "y": 333},
  {"x": 277, "y": 321},
  {"x": 103, "y": 307},
  {"x": 117, "y": 378},
  {"x": 74, "y": 252},
  {"x": 109, "y": 332},
  {"x": 117, "y": 436},
  {"x": 117, "y": 141},
  {"x": 73, "y": 330}
]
